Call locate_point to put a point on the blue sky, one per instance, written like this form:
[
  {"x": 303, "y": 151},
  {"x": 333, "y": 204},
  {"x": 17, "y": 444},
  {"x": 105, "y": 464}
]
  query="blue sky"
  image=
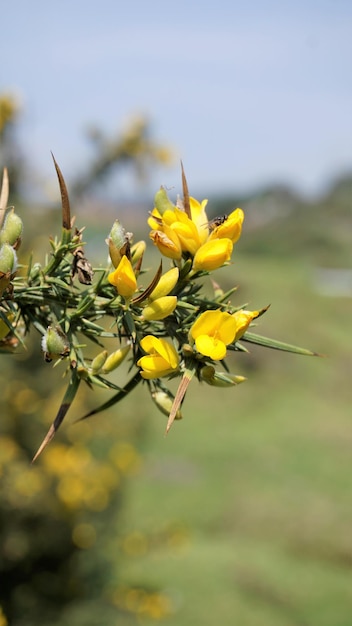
[{"x": 246, "y": 93}]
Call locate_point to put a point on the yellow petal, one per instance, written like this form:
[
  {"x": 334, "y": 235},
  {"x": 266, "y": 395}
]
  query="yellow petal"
[
  {"x": 227, "y": 328},
  {"x": 210, "y": 346},
  {"x": 243, "y": 319},
  {"x": 199, "y": 217},
  {"x": 166, "y": 284},
  {"x": 213, "y": 254},
  {"x": 153, "y": 366},
  {"x": 123, "y": 278},
  {"x": 160, "y": 308},
  {"x": 167, "y": 242},
  {"x": 187, "y": 234},
  {"x": 156, "y": 345},
  {"x": 206, "y": 324}
]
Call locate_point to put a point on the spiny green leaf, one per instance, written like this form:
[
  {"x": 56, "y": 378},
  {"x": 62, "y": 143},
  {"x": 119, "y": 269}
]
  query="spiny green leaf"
[
  {"x": 64, "y": 407},
  {"x": 277, "y": 345},
  {"x": 132, "y": 383}
]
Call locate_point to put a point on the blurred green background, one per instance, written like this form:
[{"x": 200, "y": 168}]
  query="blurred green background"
[{"x": 242, "y": 515}]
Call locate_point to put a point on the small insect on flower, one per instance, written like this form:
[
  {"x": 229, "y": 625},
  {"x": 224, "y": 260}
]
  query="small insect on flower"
[{"x": 217, "y": 221}]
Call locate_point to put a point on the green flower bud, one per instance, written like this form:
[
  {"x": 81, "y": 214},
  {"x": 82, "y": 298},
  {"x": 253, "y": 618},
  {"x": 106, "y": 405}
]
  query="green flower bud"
[
  {"x": 35, "y": 271},
  {"x": 98, "y": 362},
  {"x": 164, "y": 401},
  {"x": 162, "y": 202},
  {"x": 115, "y": 359},
  {"x": 12, "y": 229},
  {"x": 8, "y": 266},
  {"x": 118, "y": 242},
  {"x": 219, "y": 379},
  {"x": 8, "y": 259},
  {"x": 55, "y": 344}
]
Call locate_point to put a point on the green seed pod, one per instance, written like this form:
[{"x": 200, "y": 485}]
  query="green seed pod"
[
  {"x": 55, "y": 344},
  {"x": 162, "y": 201},
  {"x": 12, "y": 229}
]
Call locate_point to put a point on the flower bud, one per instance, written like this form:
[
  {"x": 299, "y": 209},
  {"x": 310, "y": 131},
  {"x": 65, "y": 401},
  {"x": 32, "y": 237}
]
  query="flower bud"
[
  {"x": 115, "y": 359},
  {"x": 164, "y": 401},
  {"x": 98, "y": 362},
  {"x": 162, "y": 201},
  {"x": 117, "y": 241},
  {"x": 8, "y": 266},
  {"x": 8, "y": 259},
  {"x": 137, "y": 251},
  {"x": 160, "y": 308},
  {"x": 55, "y": 344},
  {"x": 219, "y": 379},
  {"x": 35, "y": 272},
  {"x": 12, "y": 229},
  {"x": 166, "y": 284}
]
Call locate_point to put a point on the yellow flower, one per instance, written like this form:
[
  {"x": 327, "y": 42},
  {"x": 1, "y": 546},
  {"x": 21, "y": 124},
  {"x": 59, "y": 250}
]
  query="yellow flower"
[
  {"x": 161, "y": 359},
  {"x": 243, "y": 319},
  {"x": 191, "y": 233},
  {"x": 230, "y": 227},
  {"x": 123, "y": 278},
  {"x": 167, "y": 242},
  {"x": 212, "y": 332},
  {"x": 160, "y": 308},
  {"x": 213, "y": 254},
  {"x": 166, "y": 284}
]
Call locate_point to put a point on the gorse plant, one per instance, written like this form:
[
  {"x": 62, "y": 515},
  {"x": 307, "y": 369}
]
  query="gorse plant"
[{"x": 169, "y": 329}]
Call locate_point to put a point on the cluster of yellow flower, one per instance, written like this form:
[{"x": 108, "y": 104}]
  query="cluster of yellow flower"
[
  {"x": 200, "y": 329},
  {"x": 171, "y": 328}
]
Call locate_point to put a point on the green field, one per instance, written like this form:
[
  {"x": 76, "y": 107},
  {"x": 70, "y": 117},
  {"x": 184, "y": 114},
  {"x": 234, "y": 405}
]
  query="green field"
[{"x": 242, "y": 515}]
